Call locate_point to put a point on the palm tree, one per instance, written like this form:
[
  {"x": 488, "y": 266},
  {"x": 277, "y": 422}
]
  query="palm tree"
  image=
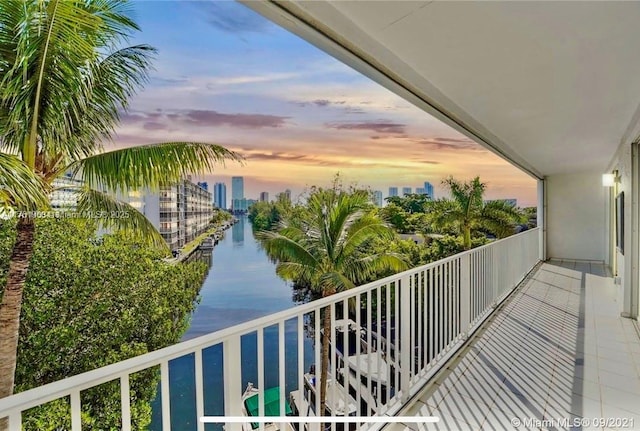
[
  {"x": 66, "y": 74},
  {"x": 324, "y": 248},
  {"x": 466, "y": 211}
]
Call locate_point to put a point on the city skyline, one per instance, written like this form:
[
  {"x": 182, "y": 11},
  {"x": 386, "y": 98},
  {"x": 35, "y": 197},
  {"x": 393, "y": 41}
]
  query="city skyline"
[{"x": 297, "y": 115}]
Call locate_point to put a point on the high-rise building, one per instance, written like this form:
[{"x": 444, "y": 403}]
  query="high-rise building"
[
  {"x": 264, "y": 197},
  {"x": 428, "y": 188},
  {"x": 220, "y": 195},
  {"x": 406, "y": 191},
  {"x": 393, "y": 191},
  {"x": 421, "y": 191},
  {"x": 237, "y": 187},
  {"x": 238, "y": 202},
  {"x": 377, "y": 198},
  {"x": 287, "y": 194}
]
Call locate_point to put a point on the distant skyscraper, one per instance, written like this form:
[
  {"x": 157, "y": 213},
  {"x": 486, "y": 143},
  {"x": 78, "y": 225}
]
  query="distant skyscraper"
[
  {"x": 204, "y": 185},
  {"x": 421, "y": 191},
  {"x": 428, "y": 188},
  {"x": 264, "y": 197},
  {"x": 377, "y": 198},
  {"x": 220, "y": 195},
  {"x": 406, "y": 191},
  {"x": 393, "y": 191},
  {"x": 237, "y": 187},
  {"x": 287, "y": 194}
]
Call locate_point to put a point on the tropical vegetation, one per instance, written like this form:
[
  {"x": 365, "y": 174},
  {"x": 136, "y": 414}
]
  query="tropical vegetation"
[
  {"x": 66, "y": 75},
  {"x": 108, "y": 299},
  {"x": 323, "y": 245},
  {"x": 467, "y": 213},
  {"x": 267, "y": 215}
]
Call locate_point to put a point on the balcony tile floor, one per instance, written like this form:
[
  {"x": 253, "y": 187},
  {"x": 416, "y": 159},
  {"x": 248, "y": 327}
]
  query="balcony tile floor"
[{"x": 557, "y": 349}]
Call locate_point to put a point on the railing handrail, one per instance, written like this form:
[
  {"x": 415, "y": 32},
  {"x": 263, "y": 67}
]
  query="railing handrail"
[{"x": 51, "y": 391}]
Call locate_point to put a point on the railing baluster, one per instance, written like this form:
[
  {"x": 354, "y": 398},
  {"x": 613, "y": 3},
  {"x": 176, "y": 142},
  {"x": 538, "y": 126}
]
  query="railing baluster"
[
  {"x": 420, "y": 319},
  {"x": 447, "y": 307},
  {"x": 432, "y": 316},
  {"x": 232, "y": 351},
  {"x": 334, "y": 358},
  {"x": 76, "y": 411},
  {"x": 281, "y": 369},
  {"x": 199, "y": 374},
  {"x": 395, "y": 340},
  {"x": 261, "y": 388},
  {"x": 318, "y": 349},
  {"x": 358, "y": 301},
  {"x": 164, "y": 393},
  {"x": 125, "y": 403},
  {"x": 347, "y": 337},
  {"x": 15, "y": 421},
  {"x": 301, "y": 390},
  {"x": 465, "y": 293},
  {"x": 369, "y": 329},
  {"x": 378, "y": 385},
  {"x": 405, "y": 336}
]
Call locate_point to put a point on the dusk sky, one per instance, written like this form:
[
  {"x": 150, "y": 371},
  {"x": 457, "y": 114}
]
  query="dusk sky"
[{"x": 226, "y": 75}]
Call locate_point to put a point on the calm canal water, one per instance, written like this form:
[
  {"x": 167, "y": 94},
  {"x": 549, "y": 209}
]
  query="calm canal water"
[{"x": 241, "y": 285}]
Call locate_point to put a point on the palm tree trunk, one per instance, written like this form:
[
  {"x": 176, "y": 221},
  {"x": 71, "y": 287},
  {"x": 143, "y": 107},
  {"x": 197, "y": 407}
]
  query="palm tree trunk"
[
  {"x": 324, "y": 370},
  {"x": 12, "y": 304},
  {"x": 466, "y": 239}
]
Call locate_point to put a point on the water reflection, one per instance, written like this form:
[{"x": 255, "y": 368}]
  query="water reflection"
[{"x": 237, "y": 230}]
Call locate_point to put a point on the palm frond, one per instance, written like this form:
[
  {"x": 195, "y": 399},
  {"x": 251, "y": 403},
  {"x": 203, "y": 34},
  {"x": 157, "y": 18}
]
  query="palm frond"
[
  {"x": 110, "y": 213},
  {"x": 446, "y": 214},
  {"x": 63, "y": 79},
  {"x": 19, "y": 186},
  {"x": 294, "y": 271},
  {"x": 363, "y": 268},
  {"x": 334, "y": 281},
  {"x": 362, "y": 230},
  {"x": 150, "y": 165},
  {"x": 286, "y": 247}
]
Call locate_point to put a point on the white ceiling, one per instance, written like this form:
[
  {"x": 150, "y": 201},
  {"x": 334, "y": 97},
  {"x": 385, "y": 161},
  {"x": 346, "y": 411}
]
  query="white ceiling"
[{"x": 554, "y": 86}]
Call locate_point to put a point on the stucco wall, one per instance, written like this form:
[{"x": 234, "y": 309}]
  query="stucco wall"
[
  {"x": 576, "y": 216},
  {"x": 622, "y": 162}
]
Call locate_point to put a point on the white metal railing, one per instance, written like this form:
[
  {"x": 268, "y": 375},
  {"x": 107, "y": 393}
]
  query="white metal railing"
[{"x": 407, "y": 325}]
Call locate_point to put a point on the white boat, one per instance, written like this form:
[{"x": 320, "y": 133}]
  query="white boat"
[{"x": 250, "y": 407}]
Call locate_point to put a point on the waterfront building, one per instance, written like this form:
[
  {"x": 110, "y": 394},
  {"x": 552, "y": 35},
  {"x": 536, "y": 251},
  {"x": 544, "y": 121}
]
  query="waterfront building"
[
  {"x": 406, "y": 191},
  {"x": 65, "y": 192},
  {"x": 421, "y": 191},
  {"x": 377, "y": 198},
  {"x": 428, "y": 188},
  {"x": 287, "y": 194},
  {"x": 393, "y": 191},
  {"x": 264, "y": 197},
  {"x": 220, "y": 195},
  {"x": 180, "y": 212}
]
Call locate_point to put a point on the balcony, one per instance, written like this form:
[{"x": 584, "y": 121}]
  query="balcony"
[
  {"x": 431, "y": 310},
  {"x": 554, "y": 350}
]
